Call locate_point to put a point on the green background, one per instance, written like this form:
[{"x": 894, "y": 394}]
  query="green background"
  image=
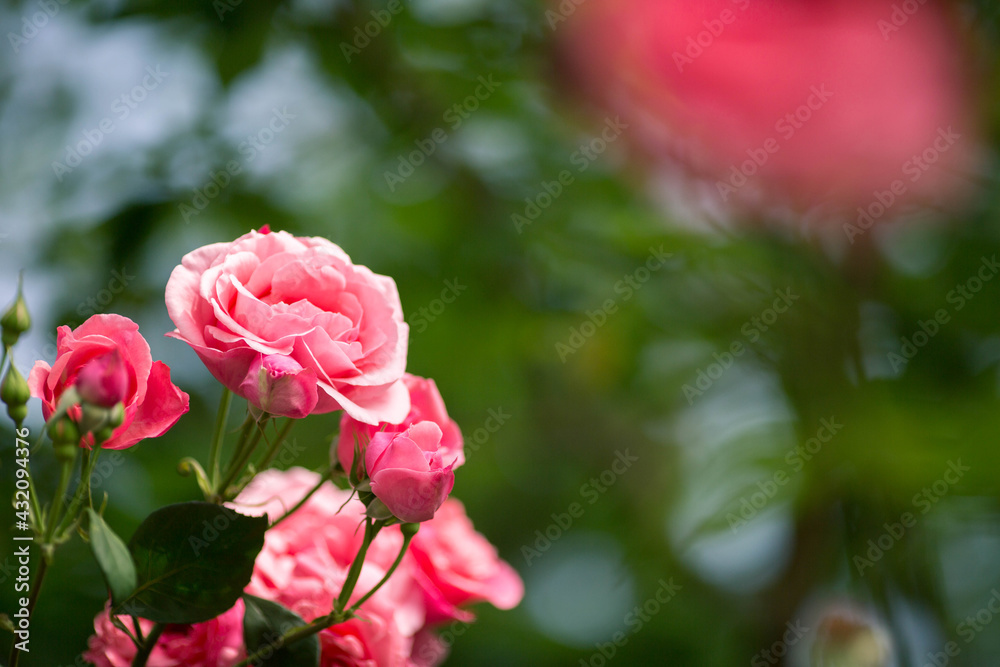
[{"x": 527, "y": 290}]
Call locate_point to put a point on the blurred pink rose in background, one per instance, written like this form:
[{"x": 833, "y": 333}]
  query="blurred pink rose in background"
[
  {"x": 426, "y": 404},
  {"x": 835, "y": 102},
  {"x": 152, "y": 402},
  {"x": 214, "y": 643},
  {"x": 272, "y": 294}
]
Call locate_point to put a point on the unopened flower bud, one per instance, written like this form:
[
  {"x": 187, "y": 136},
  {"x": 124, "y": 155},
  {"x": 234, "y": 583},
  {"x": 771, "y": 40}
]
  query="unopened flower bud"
[
  {"x": 103, "y": 434},
  {"x": 94, "y": 418},
  {"x": 103, "y": 381},
  {"x": 847, "y": 636},
  {"x": 18, "y": 413},
  {"x": 16, "y": 320},
  {"x": 116, "y": 416},
  {"x": 65, "y": 438},
  {"x": 14, "y": 392}
]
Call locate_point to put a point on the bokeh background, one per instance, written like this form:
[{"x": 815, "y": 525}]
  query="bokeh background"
[{"x": 202, "y": 120}]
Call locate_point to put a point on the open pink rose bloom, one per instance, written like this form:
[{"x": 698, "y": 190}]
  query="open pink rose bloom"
[
  {"x": 293, "y": 326},
  {"x": 114, "y": 360}
]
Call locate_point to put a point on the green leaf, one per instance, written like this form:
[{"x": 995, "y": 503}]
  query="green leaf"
[
  {"x": 264, "y": 622},
  {"x": 193, "y": 561},
  {"x": 112, "y": 557}
]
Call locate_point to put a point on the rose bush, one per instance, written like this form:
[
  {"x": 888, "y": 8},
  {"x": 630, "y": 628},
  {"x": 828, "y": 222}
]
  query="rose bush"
[
  {"x": 296, "y": 329},
  {"x": 152, "y": 402},
  {"x": 268, "y": 295}
]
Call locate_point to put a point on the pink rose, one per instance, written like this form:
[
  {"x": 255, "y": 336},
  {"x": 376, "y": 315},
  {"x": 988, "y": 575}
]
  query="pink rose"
[
  {"x": 242, "y": 305},
  {"x": 426, "y": 404},
  {"x": 304, "y": 564},
  {"x": 152, "y": 403},
  {"x": 457, "y": 566},
  {"x": 429, "y": 649},
  {"x": 103, "y": 380},
  {"x": 820, "y": 102},
  {"x": 411, "y": 471},
  {"x": 214, "y": 643}
]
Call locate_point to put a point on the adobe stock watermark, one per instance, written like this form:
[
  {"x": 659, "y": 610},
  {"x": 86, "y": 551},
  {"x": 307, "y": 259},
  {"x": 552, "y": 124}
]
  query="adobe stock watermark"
[
  {"x": 698, "y": 44},
  {"x": 901, "y": 13},
  {"x": 925, "y": 501},
  {"x": 455, "y": 116},
  {"x": 495, "y": 419},
  {"x": 249, "y": 148},
  {"x": 223, "y": 7},
  {"x": 968, "y": 629},
  {"x": 211, "y": 530},
  {"x": 591, "y": 492},
  {"x": 585, "y": 155},
  {"x": 626, "y": 289},
  {"x": 562, "y": 12},
  {"x": 426, "y": 316},
  {"x": 957, "y": 297},
  {"x": 794, "y": 632},
  {"x": 121, "y": 108},
  {"x": 434, "y": 653},
  {"x": 786, "y": 127},
  {"x": 32, "y": 24},
  {"x": 97, "y": 303},
  {"x": 796, "y": 459},
  {"x": 381, "y": 18},
  {"x": 93, "y": 305},
  {"x": 752, "y": 330},
  {"x": 914, "y": 168},
  {"x": 635, "y": 621}
]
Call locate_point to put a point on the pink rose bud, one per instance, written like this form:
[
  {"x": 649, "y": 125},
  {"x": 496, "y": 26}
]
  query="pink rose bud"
[
  {"x": 410, "y": 471},
  {"x": 103, "y": 380},
  {"x": 278, "y": 385},
  {"x": 426, "y": 404}
]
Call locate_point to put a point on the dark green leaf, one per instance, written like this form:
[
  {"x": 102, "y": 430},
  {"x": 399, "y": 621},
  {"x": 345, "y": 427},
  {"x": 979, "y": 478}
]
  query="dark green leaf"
[
  {"x": 112, "y": 557},
  {"x": 193, "y": 561},
  {"x": 264, "y": 622}
]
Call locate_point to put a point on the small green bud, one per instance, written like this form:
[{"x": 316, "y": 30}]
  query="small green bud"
[
  {"x": 116, "y": 415},
  {"x": 847, "y": 636},
  {"x": 101, "y": 421},
  {"x": 64, "y": 431},
  {"x": 18, "y": 413},
  {"x": 65, "y": 451},
  {"x": 14, "y": 389},
  {"x": 16, "y": 320}
]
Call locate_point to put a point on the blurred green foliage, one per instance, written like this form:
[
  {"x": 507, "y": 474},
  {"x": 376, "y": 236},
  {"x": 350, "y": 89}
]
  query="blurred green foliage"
[{"x": 524, "y": 292}]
